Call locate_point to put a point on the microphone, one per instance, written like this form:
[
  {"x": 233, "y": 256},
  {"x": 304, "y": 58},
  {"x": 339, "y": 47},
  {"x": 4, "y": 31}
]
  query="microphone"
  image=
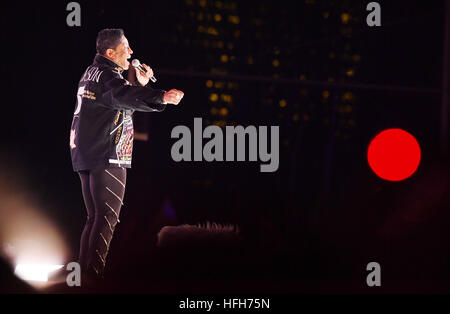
[{"x": 138, "y": 65}]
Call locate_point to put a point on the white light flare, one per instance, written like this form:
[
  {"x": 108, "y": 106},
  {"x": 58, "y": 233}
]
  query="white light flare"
[
  {"x": 30, "y": 240},
  {"x": 35, "y": 272}
]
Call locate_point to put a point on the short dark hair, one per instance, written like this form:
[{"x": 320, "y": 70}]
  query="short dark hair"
[{"x": 108, "y": 38}]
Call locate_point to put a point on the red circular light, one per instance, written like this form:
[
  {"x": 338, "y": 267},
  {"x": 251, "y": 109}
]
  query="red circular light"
[{"x": 394, "y": 155}]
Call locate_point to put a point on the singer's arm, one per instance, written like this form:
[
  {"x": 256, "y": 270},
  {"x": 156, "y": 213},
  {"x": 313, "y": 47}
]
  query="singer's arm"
[
  {"x": 173, "y": 96},
  {"x": 117, "y": 94}
]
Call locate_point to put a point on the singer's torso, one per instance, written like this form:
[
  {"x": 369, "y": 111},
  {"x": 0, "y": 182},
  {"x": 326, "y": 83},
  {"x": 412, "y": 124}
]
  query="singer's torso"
[{"x": 101, "y": 134}]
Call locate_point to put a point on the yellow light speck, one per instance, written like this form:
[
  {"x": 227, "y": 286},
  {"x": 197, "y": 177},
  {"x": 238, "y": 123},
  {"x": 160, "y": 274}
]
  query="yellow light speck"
[
  {"x": 356, "y": 58},
  {"x": 350, "y": 72},
  {"x": 219, "y": 85},
  {"x": 226, "y": 98},
  {"x": 234, "y": 19},
  {"x": 212, "y": 31},
  {"x": 345, "y": 18},
  {"x": 223, "y": 112},
  {"x": 213, "y": 97},
  {"x": 348, "y": 96}
]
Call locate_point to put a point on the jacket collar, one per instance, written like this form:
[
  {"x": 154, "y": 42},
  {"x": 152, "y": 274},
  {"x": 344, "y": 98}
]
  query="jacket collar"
[{"x": 99, "y": 59}]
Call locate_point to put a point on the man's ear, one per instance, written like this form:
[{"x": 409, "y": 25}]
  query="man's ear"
[{"x": 109, "y": 53}]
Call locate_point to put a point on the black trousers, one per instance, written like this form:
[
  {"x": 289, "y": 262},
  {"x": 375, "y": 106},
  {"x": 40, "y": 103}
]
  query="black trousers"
[{"x": 103, "y": 192}]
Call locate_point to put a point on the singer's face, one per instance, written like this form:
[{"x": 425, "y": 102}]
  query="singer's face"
[{"x": 122, "y": 53}]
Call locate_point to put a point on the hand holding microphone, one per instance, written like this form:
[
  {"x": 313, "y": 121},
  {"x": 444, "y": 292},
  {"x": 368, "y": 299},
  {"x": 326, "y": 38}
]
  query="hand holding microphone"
[{"x": 144, "y": 74}]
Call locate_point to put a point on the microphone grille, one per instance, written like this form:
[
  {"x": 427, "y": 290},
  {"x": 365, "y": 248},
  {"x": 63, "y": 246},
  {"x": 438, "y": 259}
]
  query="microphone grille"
[{"x": 135, "y": 63}]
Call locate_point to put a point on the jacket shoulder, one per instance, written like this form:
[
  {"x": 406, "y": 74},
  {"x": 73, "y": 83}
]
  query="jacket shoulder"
[{"x": 98, "y": 73}]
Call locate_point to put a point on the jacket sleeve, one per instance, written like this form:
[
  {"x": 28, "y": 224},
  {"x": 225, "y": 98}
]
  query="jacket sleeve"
[{"x": 117, "y": 94}]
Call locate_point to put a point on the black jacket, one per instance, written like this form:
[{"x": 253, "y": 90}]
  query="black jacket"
[{"x": 101, "y": 135}]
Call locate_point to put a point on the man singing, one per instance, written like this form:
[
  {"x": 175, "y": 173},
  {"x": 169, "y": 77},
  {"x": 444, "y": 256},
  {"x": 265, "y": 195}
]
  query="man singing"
[{"x": 101, "y": 139}]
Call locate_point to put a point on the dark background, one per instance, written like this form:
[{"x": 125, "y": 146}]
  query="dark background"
[{"x": 329, "y": 81}]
